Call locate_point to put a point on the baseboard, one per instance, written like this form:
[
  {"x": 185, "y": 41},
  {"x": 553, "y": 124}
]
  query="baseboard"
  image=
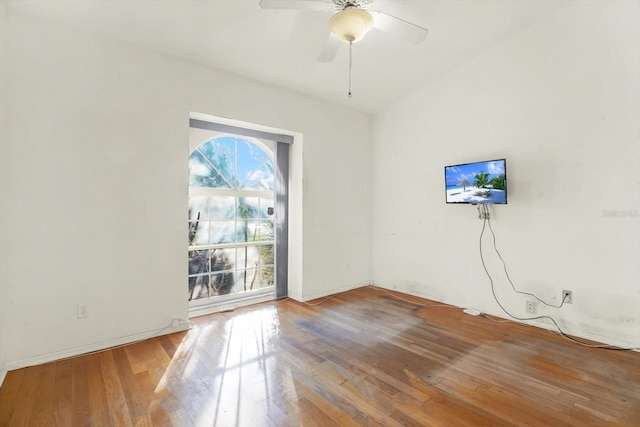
[
  {"x": 238, "y": 303},
  {"x": 90, "y": 348},
  {"x": 333, "y": 291},
  {"x": 538, "y": 324},
  {"x": 598, "y": 339}
]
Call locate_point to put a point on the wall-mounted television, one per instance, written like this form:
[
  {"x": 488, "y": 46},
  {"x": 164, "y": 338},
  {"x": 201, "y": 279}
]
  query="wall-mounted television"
[{"x": 475, "y": 183}]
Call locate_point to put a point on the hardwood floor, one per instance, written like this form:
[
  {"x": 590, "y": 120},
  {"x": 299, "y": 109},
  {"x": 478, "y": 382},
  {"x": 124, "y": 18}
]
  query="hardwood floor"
[{"x": 362, "y": 358}]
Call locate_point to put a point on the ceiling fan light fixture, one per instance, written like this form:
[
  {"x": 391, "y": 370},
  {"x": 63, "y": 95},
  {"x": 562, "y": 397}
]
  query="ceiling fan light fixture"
[{"x": 351, "y": 24}]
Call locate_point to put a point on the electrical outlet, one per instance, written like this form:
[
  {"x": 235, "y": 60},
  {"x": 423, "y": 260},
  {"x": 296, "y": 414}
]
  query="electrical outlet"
[
  {"x": 83, "y": 311},
  {"x": 567, "y": 297},
  {"x": 531, "y": 306}
]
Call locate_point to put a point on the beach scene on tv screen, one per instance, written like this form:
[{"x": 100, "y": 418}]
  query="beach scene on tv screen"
[{"x": 482, "y": 182}]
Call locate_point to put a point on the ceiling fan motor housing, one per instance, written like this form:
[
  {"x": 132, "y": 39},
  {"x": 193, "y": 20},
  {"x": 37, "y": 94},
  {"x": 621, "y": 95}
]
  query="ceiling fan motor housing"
[{"x": 359, "y": 4}]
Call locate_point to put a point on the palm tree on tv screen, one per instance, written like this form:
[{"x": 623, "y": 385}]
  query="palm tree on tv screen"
[
  {"x": 481, "y": 180},
  {"x": 498, "y": 182}
]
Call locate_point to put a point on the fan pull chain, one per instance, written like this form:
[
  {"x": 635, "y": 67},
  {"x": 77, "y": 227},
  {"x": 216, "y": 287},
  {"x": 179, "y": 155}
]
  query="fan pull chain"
[{"x": 350, "y": 61}]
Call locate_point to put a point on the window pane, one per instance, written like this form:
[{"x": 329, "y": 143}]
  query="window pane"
[
  {"x": 222, "y": 283},
  {"x": 260, "y": 179},
  {"x": 198, "y": 233},
  {"x": 266, "y": 277},
  {"x": 222, "y": 259},
  {"x": 248, "y": 257},
  {"x": 221, "y": 153},
  {"x": 198, "y": 262},
  {"x": 222, "y": 207},
  {"x": 202, "y": 174},
  {"x": 198, "y": 208},
  {"x": 248, "y": 231},
  {"x": 253, "y": 153},
  {"x": 222, "y": 232},
  {"x": 255, "y": 171},
  {"x": 198, "y": 287},
  {"x": 248, "y": 207},
  {"x": 248, "y": 279},
  {"x": 266, "y": 230},
  {"x": 266, "y": 255}
]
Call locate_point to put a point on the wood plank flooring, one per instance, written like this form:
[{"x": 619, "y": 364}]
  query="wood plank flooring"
[{"x": 362, "y": 358}]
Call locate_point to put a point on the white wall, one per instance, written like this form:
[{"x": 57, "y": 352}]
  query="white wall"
[
  {"x": 561, "y": 101},
  {"x": 94, "y": 186},
  {"x": 3, "y": 333},
  {"x": 93, "y": 181}
]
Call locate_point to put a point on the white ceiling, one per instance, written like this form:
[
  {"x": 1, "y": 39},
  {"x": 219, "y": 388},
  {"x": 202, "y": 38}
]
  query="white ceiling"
[{"x": 281, "y": 46}]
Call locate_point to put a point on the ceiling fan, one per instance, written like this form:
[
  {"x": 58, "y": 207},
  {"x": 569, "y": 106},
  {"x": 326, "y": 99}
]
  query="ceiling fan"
[{"x": 351, "y": 20}]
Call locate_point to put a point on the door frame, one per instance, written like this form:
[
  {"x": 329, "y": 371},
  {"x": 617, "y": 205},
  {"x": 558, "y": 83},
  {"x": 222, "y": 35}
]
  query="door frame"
[{"x": 281, "y": 155}]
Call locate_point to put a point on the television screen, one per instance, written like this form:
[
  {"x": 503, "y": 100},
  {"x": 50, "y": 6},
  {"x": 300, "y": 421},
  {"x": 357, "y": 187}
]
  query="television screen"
[{"x": 475, "y": 183}]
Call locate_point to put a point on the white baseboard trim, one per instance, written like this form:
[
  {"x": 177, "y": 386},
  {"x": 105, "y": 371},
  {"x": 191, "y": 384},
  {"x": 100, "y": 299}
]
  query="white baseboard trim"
[
  {"x": 538, "y": 324},
  {"x": 333, "y": 291},
  {"x": 597, "y": 339},
  {"x": 90, "y": 348}
]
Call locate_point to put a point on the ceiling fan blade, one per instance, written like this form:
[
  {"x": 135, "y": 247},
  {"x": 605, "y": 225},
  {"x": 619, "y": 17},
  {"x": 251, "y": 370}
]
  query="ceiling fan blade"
[
  {"x": 330, "y": 48},
  {"x": 313, "y": 5},
  {"x": 397, "y": 27}
]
